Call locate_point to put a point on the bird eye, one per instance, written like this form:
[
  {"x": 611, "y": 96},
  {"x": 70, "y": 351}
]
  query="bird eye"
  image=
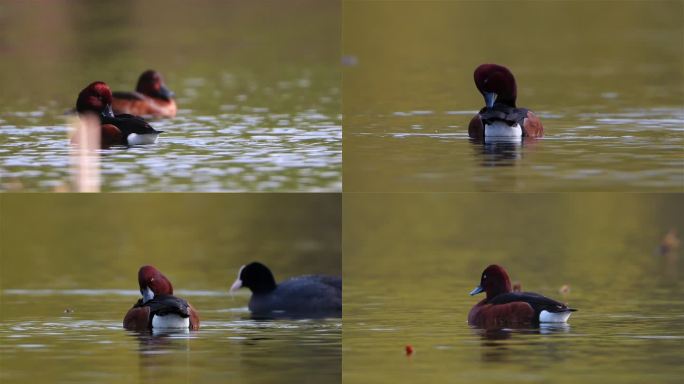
[{"x": 484, "y": 276}]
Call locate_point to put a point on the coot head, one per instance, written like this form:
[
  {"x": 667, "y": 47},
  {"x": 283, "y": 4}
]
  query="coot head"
[{"x": 255, "y": 276}]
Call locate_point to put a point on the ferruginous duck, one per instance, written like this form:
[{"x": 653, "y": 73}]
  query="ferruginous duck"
[
  {"x": 124, "y": 129},
  {"x": 151, "y": 98},
  {"x": 500, "y": 117},
  {"x": 504, "y": 307},
  {"x": 158, "y": 309}
]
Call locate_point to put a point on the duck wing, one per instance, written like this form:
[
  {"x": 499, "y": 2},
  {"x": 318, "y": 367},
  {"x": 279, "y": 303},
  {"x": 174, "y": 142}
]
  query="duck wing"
[
  {"x": 538, "y": 302},
  {"x": 162, "y": 305},
  {"x": 502, "y": 112},
  {"x": 129, "y": 124}
]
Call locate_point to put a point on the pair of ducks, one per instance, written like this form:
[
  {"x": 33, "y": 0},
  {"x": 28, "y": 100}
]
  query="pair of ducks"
[
  {"x": 120, "y": 125},
  {"x": 309, "y": 296},
  {"x": 120, "y": 113}
]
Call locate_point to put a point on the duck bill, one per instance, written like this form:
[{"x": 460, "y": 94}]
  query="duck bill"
[
  {"x": 107, "y": 111},
  {"x": 236, "y": 285},
  {"x": 147, "y": 294},
  {"x": 477, "y": 290},
  {"x": 490, "y": 98},
  {"x": 166, "y": 93}
]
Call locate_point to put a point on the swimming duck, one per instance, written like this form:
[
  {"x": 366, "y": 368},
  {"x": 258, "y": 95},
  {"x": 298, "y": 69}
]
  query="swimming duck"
[
  {"x": 503, "y": 307},
  {"x": 150, "y": 98},
  {"x": 500, "y": 117},
  {"x": 158, "y": 309},
  {"x": 122, "y": 129}
]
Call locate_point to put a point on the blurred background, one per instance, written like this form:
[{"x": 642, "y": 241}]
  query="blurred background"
[
  {"x": 605, "y": 77},
  {"x": 257, "y": 85},
  {"x": 68, "y": 273},
  {"x": 410, "y": 261}
]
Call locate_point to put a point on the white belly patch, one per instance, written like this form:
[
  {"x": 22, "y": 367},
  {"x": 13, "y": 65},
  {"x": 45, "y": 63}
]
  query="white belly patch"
[
  {"x": 170, "y": 321},
  {"x": 142, "y": 139},
  {"x": 553, "y": 317},
  {"x": 501, "y": 129}
]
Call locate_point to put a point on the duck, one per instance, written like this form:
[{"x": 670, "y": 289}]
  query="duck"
[
  {"x": 504, "y": 307},
  {"x": 308, "y": 296},
  {"x": 500, "y": 117},
  {"x": 151, "y": 98},
  {"x": 159, "y": 309},
  {"x": 123, "y": 129}
]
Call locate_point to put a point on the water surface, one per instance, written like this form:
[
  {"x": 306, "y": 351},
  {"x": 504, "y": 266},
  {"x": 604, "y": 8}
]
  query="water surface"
[
  {"x": 410, "y": 262},
  {"x": 68, "y": 274},
  {"x": 609, "y": 93},
  {"x": 257, "y": 85},
  {"x": 40, "y": 341}
]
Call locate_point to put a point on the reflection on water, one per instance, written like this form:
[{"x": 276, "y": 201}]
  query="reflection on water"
[
  {"x": 496, "y": 152},
  {"x": 237, "y": 151},
  {"x": 411, "y": 260},
  {"x": 583, "y": 152},
  {"x": 259, "y": 109},
  {"x": 229, "y": 346}
]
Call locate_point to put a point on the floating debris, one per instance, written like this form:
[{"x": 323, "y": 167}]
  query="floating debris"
[
  {"x": 564, "y": 290},
  {"x": 669, "y": 243},
  {"x": 517, "y": 287}
]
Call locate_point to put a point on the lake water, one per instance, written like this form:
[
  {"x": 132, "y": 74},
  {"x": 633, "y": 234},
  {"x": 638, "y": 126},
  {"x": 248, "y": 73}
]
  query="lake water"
[
  {"x": 410, "y": 262},
  {"x": 257, "y": 85},
  {"x": 68, "y": 274},
  {"x": 43, "y": 343},
  {"x": 609, "y": 93}
]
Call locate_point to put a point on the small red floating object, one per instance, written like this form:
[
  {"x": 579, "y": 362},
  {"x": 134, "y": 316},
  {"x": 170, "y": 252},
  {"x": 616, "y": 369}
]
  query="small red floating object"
[{"x": 409, "y": 350}]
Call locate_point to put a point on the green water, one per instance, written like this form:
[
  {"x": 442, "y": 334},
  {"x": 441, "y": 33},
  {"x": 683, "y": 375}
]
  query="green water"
[
  {"x": 68, "y": 274},
  {"x": 605, "y": 78},
  {"x": 410, "y": 262},
  {"x": 257, "y": 86}
]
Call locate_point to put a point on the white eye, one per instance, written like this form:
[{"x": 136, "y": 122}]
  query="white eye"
[{"x": 484, "y": 276}]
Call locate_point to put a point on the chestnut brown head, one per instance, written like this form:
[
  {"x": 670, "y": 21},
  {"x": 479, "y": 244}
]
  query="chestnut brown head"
[
  {"x": 494, "y": 281},
  {"x": 151, "y": 83},
  {"x": 153, "y": 283},
  {"x": 497, "y": 84},
  {"x": 97, "y": 98}
]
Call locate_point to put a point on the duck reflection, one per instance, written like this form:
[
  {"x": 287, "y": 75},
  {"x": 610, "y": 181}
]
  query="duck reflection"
[
  {"x": 500, "y": 151},
  {"x": 496, "y": 346},
  {"x": 308, "y": 348},
  {"x": 159, "y": 351}
]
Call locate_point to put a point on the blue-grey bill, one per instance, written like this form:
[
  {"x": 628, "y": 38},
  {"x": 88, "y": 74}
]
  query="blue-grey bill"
[
  {"x": 490, "y": 98},
  {"x": 477, "y": 290}
]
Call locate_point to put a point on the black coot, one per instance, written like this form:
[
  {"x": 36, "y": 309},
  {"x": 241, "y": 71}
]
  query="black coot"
[{"x": 308, "y": 296}]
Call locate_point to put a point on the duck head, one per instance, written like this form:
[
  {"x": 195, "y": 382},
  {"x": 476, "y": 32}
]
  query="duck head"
[
  {"x": 151, "y": 83},
  {"x": 153, "y": 283},
  {"x": 494, "y": 281},
  {"x": 97, "y": 98},
  {"x": 255, "y": 276},
  {"x": 497, "y": 84}
]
